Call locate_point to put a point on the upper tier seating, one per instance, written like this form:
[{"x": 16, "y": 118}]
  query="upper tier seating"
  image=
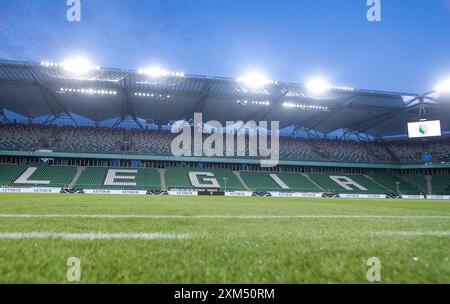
[{"x": 158, "y": 143}]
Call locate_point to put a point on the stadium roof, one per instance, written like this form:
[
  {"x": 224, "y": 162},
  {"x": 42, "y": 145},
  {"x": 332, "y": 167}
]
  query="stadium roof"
[{"x": 44, "y": 89}]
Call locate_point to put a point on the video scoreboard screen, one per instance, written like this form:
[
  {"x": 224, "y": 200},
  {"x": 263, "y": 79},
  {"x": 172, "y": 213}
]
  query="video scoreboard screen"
[{"x": 423, "y": 129}]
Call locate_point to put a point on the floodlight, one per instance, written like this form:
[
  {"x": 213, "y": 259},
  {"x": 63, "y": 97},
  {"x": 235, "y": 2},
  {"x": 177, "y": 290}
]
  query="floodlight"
[
  {"x": 444, "y": 86},
  {"x": 78, "y": 66},
  {"x": 318, "y": 85},
  {"x": 254, "y": 80}
]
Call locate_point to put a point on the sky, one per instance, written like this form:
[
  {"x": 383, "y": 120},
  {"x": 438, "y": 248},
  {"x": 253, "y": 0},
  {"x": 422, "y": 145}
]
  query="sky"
[{"x": 288, "y": 40}]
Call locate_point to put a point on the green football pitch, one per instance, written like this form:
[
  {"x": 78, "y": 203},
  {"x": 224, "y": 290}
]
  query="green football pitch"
[{"x": 167, "y": 239}]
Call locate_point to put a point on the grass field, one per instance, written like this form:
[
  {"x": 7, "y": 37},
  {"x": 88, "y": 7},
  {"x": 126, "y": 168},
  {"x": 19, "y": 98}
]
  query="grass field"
[{"x": 221, "y": 240}]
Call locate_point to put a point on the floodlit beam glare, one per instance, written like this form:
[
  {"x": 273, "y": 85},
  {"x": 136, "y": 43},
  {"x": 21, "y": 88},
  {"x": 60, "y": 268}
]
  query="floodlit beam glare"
[
  {"x": 254, "y": 80},
  {"x": 157, "y": 72},
  {"x": 318, "y": 85},
  {"x": 444, "y": 86},
  {"x": 154, "y": 72},
  {"x": 78, "y": 66}
]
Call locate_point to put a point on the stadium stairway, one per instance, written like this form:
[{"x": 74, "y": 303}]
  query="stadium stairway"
[
  {"x": 162, "y": 177},
  {"x": 239, "y": 177},
  {"x": 389, "y": 181},
  {"x": 76, "y": 177},
  {"x": 429, "y": 184},
  {"x": 379, "y": 184},
  {"x": 313, "y": 182}
]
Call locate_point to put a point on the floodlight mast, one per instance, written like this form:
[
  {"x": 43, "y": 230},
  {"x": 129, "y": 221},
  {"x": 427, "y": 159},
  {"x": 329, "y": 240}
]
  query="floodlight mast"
[
  {"x": 433, "y": 95},
  {"x": 225, "y": 180}
]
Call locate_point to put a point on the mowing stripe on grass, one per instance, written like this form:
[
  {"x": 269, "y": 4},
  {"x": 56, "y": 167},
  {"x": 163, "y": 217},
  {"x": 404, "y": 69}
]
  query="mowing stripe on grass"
[
  {"x": 413, "y": 233},
  {"x": 224, "y": 217},
  {"x": 91, "y": 236}
]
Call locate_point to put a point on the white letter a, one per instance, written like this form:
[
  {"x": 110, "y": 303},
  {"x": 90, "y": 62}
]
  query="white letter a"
[
  {"x": 374, "y": 12},
  {"x": 74, "y": 12}
]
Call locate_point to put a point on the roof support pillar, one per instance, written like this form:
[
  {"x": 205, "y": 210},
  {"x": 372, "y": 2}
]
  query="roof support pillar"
[
  {"x": 127, "y": 111},
  {"x": 311, "y": 133},
  {"x": 53, "y": 117}
]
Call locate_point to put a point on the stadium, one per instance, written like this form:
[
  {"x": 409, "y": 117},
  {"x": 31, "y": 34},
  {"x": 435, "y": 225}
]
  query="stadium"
[
  {"x": 87, "y": 171},
  {"x": 224, "y": 151},
  {"x": 105, "y": 129}
]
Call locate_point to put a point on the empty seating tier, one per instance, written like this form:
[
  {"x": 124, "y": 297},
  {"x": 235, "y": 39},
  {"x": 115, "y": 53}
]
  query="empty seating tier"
[{"x": 119, "y": 179}]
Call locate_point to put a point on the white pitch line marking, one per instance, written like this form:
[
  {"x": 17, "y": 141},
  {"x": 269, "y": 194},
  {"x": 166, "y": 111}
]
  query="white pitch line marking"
[
  {"x": 91, "y": 236},
  {"x": 412, "y": 233},
  {"x": 238, "y": 217}
]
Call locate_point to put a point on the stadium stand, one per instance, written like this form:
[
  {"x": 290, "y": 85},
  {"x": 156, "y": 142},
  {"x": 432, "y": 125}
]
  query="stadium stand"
[
  {"x": 151, "y": 142},
  {"x": 416, "y": 180},
  {"x": 10, "y": 173},
  {"x": 115, "y": 178},
  {"x": 54, "y": 176},
  {"x": 101, "y": 178},
  {"x": 17, "y": 137},
  {"x": 178, "y": 178},
  {"x": 441, "y": 184},
  {"x": 361, "y": 183},
  {"x": 23, "y": 138},
  {"x": 348, "y": 142},
  {"x": 267, "y": 181},
  {"x": 86, "y": 140},
  {"x": 390, "y": 182}
]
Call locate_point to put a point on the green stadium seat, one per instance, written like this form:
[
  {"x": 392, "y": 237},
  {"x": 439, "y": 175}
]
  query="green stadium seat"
[
  {"x": 262, "y": 181},
  {"x": 441, "y": 184},
  {"x": 94, "y": 178},
  {"x": 390, "y": 182},
  {"x": 324, "y": 180},
  {"x": 179, "y": 178},
  {"x": 59, "y": 176}
]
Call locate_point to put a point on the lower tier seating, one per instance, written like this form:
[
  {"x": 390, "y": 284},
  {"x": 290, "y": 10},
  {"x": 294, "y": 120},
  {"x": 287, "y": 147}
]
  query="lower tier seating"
[
  {"x": 179, "y": 178},
  {"x": 119, "y": 178},
  {"x": 39, "y": 175},
  {"x": 44, "y": 175},
  {"x": 276, "y": 181}
]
